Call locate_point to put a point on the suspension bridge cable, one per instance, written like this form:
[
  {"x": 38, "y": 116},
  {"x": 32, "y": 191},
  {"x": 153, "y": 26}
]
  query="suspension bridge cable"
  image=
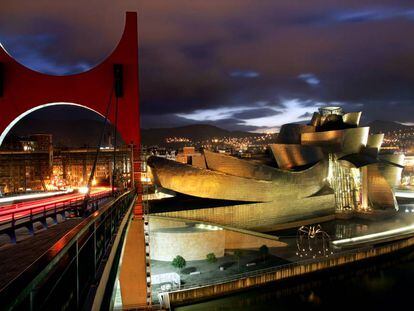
[
  {"x": 98, "y": 149},
  {"x": 115, "y": 144}
]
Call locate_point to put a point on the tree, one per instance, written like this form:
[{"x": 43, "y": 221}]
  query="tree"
[
  {"x": 238, "y": 254},
  {"x": 264, "y": 251},
  {"x": 211, "y": 258},
  {"x": 179, "y": 262}
]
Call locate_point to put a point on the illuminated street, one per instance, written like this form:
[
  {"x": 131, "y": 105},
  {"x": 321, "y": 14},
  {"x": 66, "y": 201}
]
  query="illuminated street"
[{"x": 35, "y": 205}]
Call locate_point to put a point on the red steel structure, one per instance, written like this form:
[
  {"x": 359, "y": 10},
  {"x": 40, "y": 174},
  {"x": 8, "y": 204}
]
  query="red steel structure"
[{"x": 23, "y": 90}]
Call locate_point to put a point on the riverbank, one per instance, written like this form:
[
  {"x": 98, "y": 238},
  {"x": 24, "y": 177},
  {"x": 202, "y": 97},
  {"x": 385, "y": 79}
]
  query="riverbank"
[
  {"x": 264, "y": 277},
  {"x": 383, "y": 283}
]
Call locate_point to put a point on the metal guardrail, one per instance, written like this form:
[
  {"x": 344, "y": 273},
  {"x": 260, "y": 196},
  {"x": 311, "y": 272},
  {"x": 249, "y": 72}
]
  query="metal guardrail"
[
  {"x": 26, "y": 217},
  {"x": 259, "y": 272},
  {"x": 63, "y": 276}
]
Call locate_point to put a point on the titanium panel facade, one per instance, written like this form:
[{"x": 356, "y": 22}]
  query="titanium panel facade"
[
  {"x": 202, "y": 183},
  {"x": 380, "y": 195},
  {"x": 352, "y": 118},
  {"x": 291, "y": 133},
  {"x": 289, "y": 156},
  {"x": 265, "y": 216},
  {"x": 375, "y": 141},
  {"x": 341, "y": 142},
  {"x": 392, "y": 173}
]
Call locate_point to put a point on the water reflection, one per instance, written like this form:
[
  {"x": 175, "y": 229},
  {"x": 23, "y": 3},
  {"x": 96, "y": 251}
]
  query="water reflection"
[
  {"x": 348, "y": 230},
  {"x": 342, "y": 229}
]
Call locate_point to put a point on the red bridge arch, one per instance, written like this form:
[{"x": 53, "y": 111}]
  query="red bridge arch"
[{"x": 23, "y": 90}]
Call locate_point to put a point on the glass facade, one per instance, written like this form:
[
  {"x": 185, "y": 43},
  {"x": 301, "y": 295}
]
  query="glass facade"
[{"x": 346, "y": 182}]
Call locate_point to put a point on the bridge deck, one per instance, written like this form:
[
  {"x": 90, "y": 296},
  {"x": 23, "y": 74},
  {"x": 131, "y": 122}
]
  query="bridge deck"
[
  {"x": 133, "y": 272},
  {"x": 16, "y": 258}
]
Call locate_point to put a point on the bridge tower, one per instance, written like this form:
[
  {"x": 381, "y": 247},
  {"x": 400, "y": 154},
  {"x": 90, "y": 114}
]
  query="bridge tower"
[{"x": 23, "y": 91}]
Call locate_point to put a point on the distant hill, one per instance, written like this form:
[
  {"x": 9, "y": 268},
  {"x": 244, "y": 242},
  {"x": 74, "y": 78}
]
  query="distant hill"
[
  {"x": 68, "y": 133},
  {"x": 86, "y": 132},
  {"x": 78, "y": 133},
  {"x": 379, "y": 126},
  {"x": 196, "y": 132}
]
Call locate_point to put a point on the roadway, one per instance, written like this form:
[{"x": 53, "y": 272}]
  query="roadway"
[
  {"x": 15, "y": 258},
  {"x": 23, "y": 209},
  {"x": 7, "y": 200}
]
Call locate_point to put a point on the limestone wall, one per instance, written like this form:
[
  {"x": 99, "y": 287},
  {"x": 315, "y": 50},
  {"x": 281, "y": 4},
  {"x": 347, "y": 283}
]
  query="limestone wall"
[
  {"x": 189, "y": 239},
  {"x": 190, "y": 242},
  {"x": 261, "y": 216},
  {"x": 160, "y": 223},
  {"x": 238, "y": 240}
]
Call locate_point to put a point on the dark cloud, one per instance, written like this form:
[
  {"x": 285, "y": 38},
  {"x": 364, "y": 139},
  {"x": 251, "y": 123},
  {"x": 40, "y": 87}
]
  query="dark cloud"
[
  {"x": 374, "y": 14},
  {"x": 256, "y": 113},
  {"x": 249, "y": 74},
  {"x": 309, "y": 78},
  {"x": 197, "y": 55},
  {"x": 233, "y": 124},
  {"x": 163, "y": 120},
  {"x": 306, "y": 115}
]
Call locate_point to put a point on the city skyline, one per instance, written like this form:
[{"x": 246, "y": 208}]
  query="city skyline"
[{"x": 240, "y": 65}]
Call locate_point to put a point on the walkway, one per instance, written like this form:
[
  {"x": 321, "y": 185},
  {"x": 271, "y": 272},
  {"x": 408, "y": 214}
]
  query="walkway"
[
  {"x": 132, "y": 277},
  {"x": 15, "y": 258}
]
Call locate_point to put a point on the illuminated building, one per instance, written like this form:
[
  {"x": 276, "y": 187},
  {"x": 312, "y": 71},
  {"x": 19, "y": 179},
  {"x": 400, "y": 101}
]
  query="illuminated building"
[
  {"x": 75, "y": 165},
  {"x": 24, "y": 170},
  {"x": 31, "y": 163},
  {"x": 329, "y": 167},
  {"x": 190, "y": 156},
  {"x": 26, "y": 164}
]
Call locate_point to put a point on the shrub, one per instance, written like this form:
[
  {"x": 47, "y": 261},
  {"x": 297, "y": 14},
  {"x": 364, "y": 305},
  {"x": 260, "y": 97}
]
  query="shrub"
[
  {"x": 179, "y": 262},
  {"x": 211, "y": 258}
]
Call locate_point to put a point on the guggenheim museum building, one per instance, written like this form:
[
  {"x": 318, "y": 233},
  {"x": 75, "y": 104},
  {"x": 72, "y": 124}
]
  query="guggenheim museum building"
[{"x": 329, "y": 168}]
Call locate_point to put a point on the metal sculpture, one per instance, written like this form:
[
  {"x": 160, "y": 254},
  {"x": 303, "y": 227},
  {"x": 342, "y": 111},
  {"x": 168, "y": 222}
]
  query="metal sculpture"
[{"x": 313, "y": 242}]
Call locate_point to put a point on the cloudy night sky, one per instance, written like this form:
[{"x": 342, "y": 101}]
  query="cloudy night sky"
[{"x": 238, "y": 64}]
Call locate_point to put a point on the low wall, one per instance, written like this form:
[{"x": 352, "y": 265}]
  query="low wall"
[
  {"x": 269, "y": 275},
  {"x": 171, "y": 237},
  {"x": 189, "y": 242},
  {"x": 160, "y": 223},
  {"x": 238, "y": 240}
]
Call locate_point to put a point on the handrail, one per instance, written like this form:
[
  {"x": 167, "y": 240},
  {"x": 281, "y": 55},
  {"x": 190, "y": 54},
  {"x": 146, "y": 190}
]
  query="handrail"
[
  {"x": 43, "y": 207},
  {"x": 39, "y": 283}
]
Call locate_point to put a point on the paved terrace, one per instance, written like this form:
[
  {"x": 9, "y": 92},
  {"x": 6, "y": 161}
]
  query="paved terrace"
[{"x": 280, "y": 256}]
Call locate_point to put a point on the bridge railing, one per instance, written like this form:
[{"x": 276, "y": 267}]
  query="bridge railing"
[
  {"x": 62, "y": 277},
  {"x": 12, "y": 219}
]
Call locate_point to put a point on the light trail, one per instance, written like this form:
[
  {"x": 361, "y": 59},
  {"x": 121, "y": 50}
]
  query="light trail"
[
  {"x": 23, "y": 209},
  {"x": 375, "y": 236},
  {"x": 12, "y": 199}
]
